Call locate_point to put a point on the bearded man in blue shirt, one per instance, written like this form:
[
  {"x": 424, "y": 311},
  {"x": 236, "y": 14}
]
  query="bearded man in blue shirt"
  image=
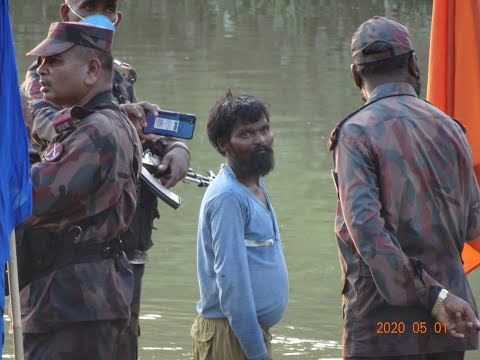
[{"x": 241, "y": 269}]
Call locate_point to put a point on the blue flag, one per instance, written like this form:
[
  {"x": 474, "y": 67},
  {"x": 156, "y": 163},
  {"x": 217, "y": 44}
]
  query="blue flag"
[{"x": 15, "y": 185}]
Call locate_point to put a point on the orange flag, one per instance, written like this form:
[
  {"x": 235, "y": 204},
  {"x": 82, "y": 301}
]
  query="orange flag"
[{"x": 454, "y": 79}]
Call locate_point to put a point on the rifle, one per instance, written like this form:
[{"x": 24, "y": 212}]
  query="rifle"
[{"x": 150, "y": 164}]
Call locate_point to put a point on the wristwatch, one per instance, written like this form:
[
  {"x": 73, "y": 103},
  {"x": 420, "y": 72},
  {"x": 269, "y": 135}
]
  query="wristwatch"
[{"x": 438, "y": 304}]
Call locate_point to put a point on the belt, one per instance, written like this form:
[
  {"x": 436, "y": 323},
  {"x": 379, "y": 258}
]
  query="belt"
[
  {"x": 43, "y": 252},
  {"x": 84, "y": 253}
]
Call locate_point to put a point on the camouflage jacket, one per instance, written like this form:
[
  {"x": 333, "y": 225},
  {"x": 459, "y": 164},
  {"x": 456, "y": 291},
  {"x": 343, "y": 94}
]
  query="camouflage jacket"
[
  {"x": 87, "y": 178},
  {"x": 407, "y": 201},
  {"x": 137, "y": 239}
]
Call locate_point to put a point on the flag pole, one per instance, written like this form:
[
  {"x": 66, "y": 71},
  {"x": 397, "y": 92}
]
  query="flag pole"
[{"x": 15, "y": 299}]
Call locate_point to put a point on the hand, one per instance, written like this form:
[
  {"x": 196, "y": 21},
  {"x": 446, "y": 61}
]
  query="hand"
[
  {"x": 136, "y": 113},
  {"x": 174, "y": 166},
  {"x": 269, "y": 357},
  {"x": 459, "y": 317}
]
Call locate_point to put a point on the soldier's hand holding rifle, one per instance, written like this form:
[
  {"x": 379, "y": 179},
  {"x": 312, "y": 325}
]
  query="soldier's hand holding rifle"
[{"x": 174, "y": 167}]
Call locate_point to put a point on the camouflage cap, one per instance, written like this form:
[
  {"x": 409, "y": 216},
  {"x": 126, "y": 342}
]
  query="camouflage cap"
[
  {"x": 383, "y": 29},
  {"x": 64, "y": 35}
]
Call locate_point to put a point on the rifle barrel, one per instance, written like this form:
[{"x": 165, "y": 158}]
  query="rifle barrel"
[{"x": 200, "y": 180}]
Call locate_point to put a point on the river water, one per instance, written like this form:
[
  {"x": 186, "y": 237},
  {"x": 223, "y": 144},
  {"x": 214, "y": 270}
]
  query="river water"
[{"x": 293, "y": 54}]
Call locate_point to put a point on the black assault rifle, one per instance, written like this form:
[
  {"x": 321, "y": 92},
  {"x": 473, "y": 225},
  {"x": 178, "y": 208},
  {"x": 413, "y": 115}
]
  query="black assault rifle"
[{"x": 150, "y": 164}]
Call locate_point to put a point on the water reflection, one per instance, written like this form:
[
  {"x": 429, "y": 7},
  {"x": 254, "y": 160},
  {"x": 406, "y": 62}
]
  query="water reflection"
[
  {"x": 293, "y": 54},
  {"x": 150, "y": 316},
  {"x": 293, "y": 346}
]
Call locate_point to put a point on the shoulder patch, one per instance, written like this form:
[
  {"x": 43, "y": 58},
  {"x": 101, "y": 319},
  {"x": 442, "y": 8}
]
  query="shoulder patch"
[{"x": 53, "y": 152}]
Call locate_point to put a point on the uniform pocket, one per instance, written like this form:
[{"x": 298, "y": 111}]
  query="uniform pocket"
[{"x": 202, "y": 339}]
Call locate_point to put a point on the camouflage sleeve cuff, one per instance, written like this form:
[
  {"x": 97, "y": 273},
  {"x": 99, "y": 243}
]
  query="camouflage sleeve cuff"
[
  {"x": 427, "y": 287},
  {"x": 432, "y": 296}
]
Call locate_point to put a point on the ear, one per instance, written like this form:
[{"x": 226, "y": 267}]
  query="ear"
[
  {"x": 119, "y": 18},
  {"x": 222, "y": 145},
  {"x": 64, "y": 10},
  {"x": 357, "y": 79},
  {"x": 413, "y": 66},
  {"x": 94, "y": 71}
]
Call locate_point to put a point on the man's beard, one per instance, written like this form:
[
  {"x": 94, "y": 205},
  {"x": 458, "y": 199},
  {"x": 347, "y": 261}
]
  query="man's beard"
[{"x": 258, "y": 162}]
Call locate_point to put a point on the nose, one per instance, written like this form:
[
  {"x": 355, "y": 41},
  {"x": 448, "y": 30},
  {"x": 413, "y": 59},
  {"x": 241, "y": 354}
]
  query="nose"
[
  {"x": 42, "y": 68},
  {"x": 260, "y": 138}
]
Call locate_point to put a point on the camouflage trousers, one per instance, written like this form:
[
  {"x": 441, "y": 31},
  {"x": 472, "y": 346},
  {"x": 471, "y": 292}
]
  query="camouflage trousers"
[
  {"x": 454, "y": 355},
  {"x": 128, "y": 341},
  {"x": 75, "y": 341},
  {"x": 214, "y": 339}
]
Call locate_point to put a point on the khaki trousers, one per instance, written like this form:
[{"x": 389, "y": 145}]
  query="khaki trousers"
[{"x": 214, "y": 339}]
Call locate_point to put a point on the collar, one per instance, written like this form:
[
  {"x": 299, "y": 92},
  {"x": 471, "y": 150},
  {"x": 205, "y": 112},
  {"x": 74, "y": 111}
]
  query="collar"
[
  {"x": 391, "y": 89},
  {"x": 71, "y": 117},
  {"x": 100, "y": 100},
  {"x": 380, "y": 92},
  {"x": 228, "y": 169}
]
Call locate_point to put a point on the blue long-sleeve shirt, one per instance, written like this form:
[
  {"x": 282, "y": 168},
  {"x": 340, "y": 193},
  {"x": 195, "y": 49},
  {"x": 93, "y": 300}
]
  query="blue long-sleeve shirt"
[{"x": 241, "y": 268}]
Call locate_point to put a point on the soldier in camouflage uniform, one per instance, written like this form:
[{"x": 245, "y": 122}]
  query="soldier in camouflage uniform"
[
  {"x": 76, "y": 283},
  {"x": 408, "y": 200},
  {"x": 176, "y": 158}
]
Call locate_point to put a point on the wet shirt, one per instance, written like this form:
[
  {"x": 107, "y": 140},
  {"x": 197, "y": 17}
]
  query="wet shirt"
[
  {"x": 87, "y": 178},
  {"x": 408, "y": 200},
  {"x": 241, "y": 268}
]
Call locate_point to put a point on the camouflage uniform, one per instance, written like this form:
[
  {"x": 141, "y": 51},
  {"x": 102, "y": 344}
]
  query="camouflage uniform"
[
  {"x": 75, "y": 280},
  {"x": 137, "y": 238},
  {"x": 72, "y": 273},
  {"x": 407, "y": 201}
]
